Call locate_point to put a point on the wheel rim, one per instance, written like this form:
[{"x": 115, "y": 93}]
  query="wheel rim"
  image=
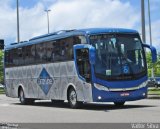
[
  {"x": 73, "y": 97},
  {"x": 21, "y": 96}
]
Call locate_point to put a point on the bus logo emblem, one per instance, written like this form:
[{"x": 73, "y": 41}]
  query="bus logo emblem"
[{"x": 45, "y": 81}]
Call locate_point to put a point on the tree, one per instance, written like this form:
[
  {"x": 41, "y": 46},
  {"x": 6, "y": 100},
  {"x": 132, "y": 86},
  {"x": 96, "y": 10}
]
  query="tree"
[
  {"x": 1, "y": 66},
  {"x": 156, "y": 65}
]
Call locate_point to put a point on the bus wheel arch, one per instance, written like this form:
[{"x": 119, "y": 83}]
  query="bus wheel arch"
[
  {"x": 19, "y": 90},
  {"x": 72, "y": 97},
  {"x": 21, "y": 95}
]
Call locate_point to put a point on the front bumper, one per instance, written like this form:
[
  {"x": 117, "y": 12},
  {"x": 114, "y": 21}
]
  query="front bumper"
[{"x": 118, "y": 96}]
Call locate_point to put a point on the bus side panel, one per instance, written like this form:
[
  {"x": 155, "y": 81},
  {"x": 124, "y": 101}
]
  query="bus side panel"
[
  {"x": 52, "y": 91},
  {"x": 54, "y": 71},
  {"x": 11, "y": 82},
  {"x": 64, "y": 74},
  {"x": 24, "y": 77},
  {"x": 31, "y": 82}
]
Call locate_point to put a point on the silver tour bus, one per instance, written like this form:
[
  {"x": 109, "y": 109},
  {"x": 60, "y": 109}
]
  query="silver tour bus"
[{"x": 80, "y": 66}]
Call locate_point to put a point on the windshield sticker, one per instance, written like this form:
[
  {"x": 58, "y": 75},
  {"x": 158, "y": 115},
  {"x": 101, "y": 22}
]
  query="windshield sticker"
[
  {"x": 126, "y": 69},
  {"x": 108, "y": 72}
]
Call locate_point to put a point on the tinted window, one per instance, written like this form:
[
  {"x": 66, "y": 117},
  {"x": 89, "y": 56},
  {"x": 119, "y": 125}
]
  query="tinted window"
[
  {"x": 30, "y": 52},
  {"x": 45, "y": 52},
  {"x": 8, "y": 59},
  {"x": 14, "y": 56},
  {"x": 40, "y": 53}
]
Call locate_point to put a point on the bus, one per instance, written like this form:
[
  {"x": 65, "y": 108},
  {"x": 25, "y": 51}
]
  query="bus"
[{"x": 93, "y": 65}]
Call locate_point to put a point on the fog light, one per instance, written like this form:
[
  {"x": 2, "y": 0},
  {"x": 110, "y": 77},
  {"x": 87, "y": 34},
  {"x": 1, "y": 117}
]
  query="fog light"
[{"x": 99, "y": 97}]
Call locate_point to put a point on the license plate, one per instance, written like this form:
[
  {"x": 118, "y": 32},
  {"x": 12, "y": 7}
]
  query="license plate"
[{"x": 124, "y": 94}]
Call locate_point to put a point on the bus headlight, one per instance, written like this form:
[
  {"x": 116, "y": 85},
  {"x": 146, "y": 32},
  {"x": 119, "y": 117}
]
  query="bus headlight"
[
  {"x": 100, "y": 87},
  {"x": 144, "y": 84}
]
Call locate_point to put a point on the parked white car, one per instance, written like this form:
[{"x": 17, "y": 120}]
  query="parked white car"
[{"x": 1, "y": 86}]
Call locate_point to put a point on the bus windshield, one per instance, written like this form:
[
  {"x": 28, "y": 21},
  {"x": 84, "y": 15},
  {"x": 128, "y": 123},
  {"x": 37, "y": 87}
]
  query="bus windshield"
[{"x": 118, "y": 56}]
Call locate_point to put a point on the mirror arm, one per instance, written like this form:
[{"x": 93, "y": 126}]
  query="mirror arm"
[
  {"x": 153, "y": 51},
  {"x": 147, "y": 46}
]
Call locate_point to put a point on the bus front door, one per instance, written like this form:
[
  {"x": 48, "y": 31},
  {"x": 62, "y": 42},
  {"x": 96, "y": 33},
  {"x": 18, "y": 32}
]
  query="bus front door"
[{"x": 84, "y": 72}]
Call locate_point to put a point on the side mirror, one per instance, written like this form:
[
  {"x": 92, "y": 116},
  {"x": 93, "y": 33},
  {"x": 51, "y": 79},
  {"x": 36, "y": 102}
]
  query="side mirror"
[
  {"x": 153, "y": 51},
  {"x": 1, "y": 44},
  {"x": 92, "y": 55}
]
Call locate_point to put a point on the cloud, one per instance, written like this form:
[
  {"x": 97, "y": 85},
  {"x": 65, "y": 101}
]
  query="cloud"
[
  {"x": 154, "y": 5},
  {"x": 155, "y": 34},
  {"x": 7, "y": 20},
  {"x": 68, "y": 14},
  {"x": 93, "y": 13}
]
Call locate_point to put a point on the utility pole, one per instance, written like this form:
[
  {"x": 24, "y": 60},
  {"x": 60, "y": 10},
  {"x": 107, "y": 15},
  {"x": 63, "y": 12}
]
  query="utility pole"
[
  {"x": 47, "y": 11},
  {"x": 150, "y": 33},
  {"x": 150, "y": 29},
  {"x": 143, "y": 21},
  {"x": 18, "y": 37}
]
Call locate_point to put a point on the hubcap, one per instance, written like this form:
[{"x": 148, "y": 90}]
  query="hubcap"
[{"x": 73, "y": 97}]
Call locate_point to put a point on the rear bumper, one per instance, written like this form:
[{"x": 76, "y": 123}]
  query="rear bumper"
[{"x": 122, "y": 96}]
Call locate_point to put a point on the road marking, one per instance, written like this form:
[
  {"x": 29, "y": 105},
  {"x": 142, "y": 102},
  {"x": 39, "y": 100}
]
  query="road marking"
[{"x": 4, "y": 105}]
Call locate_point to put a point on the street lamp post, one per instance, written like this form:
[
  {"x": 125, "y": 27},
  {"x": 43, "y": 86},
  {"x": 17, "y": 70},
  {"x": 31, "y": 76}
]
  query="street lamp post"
[
  {"x": 18, "y": 37},
  {"x": 150, "y": 29},
  {"x": 150, "y": 32},
  {"x": 143, "y": 21},
  {"x": 47, "y": 11}
]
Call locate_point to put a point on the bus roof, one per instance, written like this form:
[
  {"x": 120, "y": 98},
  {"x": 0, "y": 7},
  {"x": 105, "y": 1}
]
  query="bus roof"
[{"x": 67, "y": 33}]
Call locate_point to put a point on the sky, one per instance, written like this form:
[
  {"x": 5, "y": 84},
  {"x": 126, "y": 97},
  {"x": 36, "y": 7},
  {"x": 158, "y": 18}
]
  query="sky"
[{"x": 75, "y": 14}]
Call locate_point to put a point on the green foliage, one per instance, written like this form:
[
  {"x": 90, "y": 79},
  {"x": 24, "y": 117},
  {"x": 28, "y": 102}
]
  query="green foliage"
[
  {"x": 1, "y": 66},
  {"x": 156, "y": 66},
  {"x": 2, "y": 90},
  {"x": 154, "y": 91}
]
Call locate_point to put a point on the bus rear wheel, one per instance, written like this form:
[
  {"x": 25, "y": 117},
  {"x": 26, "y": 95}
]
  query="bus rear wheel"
[
  {"x": 24, "y": 100},
  {"x": 72, "y": 99},
  {"x": 119, "y": 104}
]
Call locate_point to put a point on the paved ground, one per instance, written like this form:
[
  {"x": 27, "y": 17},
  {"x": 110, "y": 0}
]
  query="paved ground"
[{"x": 11, "y": 111}]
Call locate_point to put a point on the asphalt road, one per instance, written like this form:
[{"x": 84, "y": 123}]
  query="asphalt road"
[{"x": 11, "y": 111}]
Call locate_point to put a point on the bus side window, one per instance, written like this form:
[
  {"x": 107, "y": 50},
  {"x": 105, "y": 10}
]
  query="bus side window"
[
  {"x": 83, "y": 64},
  {"x": 14, "y": 53},
  {"x": 20, "y": 56},
  {"x": 30, "y": 54},
  {"x": 57, "y": 52},
  {"x": 49, "y": 51},
  {"x": 40, "y": 53},
  {"x": 68, "y": 48},
  {"x": 8, "y": 59}
]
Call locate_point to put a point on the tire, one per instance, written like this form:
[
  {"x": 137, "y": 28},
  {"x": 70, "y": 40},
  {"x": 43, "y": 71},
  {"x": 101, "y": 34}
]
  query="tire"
[
  {"x": 119, "y": 104},
  {"x": 72, "y": 99},
  {"x": 23, "y": 100}
]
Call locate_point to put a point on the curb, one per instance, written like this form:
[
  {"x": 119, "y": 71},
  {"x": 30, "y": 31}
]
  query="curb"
[{"x": 153, "y": 97}]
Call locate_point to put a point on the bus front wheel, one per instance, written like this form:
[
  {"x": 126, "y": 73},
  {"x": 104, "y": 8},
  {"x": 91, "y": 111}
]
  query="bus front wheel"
[
  {"x": 72, "y": 99},
  {"x": 119, "y": 104}
]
